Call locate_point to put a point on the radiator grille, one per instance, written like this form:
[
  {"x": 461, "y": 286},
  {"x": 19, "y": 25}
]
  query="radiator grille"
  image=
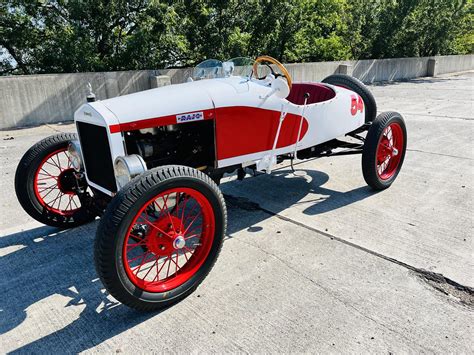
[{"x": 96, "y": 153}]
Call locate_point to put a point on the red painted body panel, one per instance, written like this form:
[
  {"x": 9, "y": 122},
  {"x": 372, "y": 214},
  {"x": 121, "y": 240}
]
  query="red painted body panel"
[{"x": 244, "y": 130}]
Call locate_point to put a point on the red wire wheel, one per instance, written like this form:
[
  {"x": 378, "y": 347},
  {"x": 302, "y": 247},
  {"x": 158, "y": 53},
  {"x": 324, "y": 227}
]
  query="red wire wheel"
[
  {"x": 389, "y": 151},
  {"x": 169, "y": 239},
  {"x": 53, "y": 184},
  {"x": 46, "y": 186},
  {"x": 384, "y": 150},
  {"x": 160, "y": 236}
]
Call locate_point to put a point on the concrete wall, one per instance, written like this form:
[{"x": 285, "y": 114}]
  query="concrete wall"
[
  {"x": 177, "y": 76},
  {"x": 312, "y": 71},
  {"x": 369, "y": 70},
  {"x": 38, "y": 99},
  {"x": 374, "y": 70},
  {"x": 454, "y": 63}
]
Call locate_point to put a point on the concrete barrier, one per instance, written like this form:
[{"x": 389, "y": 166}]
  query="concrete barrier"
[
  {"x": 159, "y": 81},
  {"x": 454, "y": 63},
  {"x": 370, "y": 71},
  {"x": 30, "y": 100}
]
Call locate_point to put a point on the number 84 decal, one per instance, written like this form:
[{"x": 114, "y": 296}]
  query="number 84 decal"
[{"x": 357, "y": 104}]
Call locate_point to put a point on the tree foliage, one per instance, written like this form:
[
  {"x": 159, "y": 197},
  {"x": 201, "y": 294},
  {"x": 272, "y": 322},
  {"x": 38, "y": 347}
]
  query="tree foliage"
[{"x": 38, "y": 36}]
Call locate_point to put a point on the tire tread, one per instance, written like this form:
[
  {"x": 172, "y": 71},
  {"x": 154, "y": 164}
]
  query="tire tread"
[
  {"x": 113, "y": 217},
  {"x": 370, "y": 149}
]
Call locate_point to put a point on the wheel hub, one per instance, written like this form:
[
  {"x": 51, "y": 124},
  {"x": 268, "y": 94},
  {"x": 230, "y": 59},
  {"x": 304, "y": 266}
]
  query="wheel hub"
[
  {"x": 166, "y": 237},
  {"x": 67, "y": 181},
  {"x": 386, "y": 150}
]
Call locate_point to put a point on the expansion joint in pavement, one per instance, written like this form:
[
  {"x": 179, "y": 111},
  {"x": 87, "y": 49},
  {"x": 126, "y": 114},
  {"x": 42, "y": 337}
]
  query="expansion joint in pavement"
[
  {"x": 428, "y": 115},
  {"x": 465, "y": 294},
  {"x": 439, "y": 154}
]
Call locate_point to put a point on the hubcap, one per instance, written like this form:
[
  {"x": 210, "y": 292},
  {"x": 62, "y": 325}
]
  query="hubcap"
[{"x": 179, "y": 242}]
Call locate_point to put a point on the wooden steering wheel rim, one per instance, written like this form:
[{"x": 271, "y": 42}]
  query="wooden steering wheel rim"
[{"x": 267, "y": 58}]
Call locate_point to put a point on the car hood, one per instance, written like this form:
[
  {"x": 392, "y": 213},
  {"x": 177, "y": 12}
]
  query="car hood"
[{"x": 173, "y": 99}]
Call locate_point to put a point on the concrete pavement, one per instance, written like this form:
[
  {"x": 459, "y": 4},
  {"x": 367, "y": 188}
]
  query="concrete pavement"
[{"x": 313, "y": 262}]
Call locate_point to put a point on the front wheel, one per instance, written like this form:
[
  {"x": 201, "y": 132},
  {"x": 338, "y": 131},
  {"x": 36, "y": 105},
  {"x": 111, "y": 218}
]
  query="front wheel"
[
  {"x": 46, "y": 186},
  {"x": 384, "y": 150},
  {"x": 160, "y": 237}
]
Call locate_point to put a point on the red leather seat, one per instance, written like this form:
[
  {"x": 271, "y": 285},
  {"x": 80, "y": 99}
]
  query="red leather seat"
[{"x": 317, "y": 93}]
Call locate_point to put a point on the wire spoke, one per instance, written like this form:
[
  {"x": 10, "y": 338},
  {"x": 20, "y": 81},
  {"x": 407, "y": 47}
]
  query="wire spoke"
[
  {"x": 156, "y": 262},
  {"x": 143, "y": 242},
  {"x": 69, "y": 162},
  {"x": 137, "y": 269},
  {"x": 159, "y": 271},
  {"x": 47, "y": 188},
  {"x": 191, "y": 251},
  {"x": 191, "y": 236},
  {"x": 185, "y": 202},
  {"x": 134, "y": 258},
  {"x": 166, "y": 208},
  {"x": 49, "y": 193},
  {"x": 176, "y": 263},
  {"x": 53, "y": 164},
  {"x": 164, "y": 198},
  {"x": 157, "y": 228},
  {"x": 47, "y": 178},
  {"x": 131, "y": 248},
  {"x": 190, "y": 224},
  {"x": 168, "y": 271},
  {"x": 59, "y": 162},
  {"x": 194, "y": 228},
  {"x": 48, "y": 174},
  {"x": 51, "y": 203},
  {"x": 68, "y": 206}
]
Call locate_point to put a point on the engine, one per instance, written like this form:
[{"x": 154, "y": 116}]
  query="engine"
[{"x": 190, "y": 144}]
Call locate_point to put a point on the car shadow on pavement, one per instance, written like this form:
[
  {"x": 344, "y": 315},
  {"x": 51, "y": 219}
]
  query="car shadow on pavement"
[
  {"x": 54, "y": 263},
  {"x": 46, "y": 262},
  {"x": 303, "y": 189}
]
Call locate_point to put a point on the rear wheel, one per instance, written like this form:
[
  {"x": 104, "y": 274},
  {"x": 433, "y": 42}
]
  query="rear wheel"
[
  {"x": 384, "y": 150},
  {"x": 351, "y": 83},
  {"x": 46, "y": 186},
  {"x": 160, "y": 237}
]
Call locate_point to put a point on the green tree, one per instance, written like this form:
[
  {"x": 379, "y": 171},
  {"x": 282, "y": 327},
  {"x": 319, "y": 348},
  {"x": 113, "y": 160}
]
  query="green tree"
[
  {"x": 39, "y": 36},
  {"x": 88, "y": 35},
  {"x": 406, "y": 28}
]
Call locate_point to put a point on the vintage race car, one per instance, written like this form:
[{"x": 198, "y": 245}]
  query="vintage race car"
[{"x": 150, "y": 164}]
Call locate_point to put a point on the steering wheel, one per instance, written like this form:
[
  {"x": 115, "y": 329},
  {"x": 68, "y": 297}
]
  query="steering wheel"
[{"x": 266, "y": 58}]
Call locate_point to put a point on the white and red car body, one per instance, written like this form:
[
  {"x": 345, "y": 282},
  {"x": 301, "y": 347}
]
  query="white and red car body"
[{"x": 246, "y": 117}]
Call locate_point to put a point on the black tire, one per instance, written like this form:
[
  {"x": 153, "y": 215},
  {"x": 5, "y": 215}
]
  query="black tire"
[
  {"x": 359, "y": 88},
  {"x": 118, "y": 217},
  {"x": 371, "y": 145},
  {"x": 25, "y": 190}
]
